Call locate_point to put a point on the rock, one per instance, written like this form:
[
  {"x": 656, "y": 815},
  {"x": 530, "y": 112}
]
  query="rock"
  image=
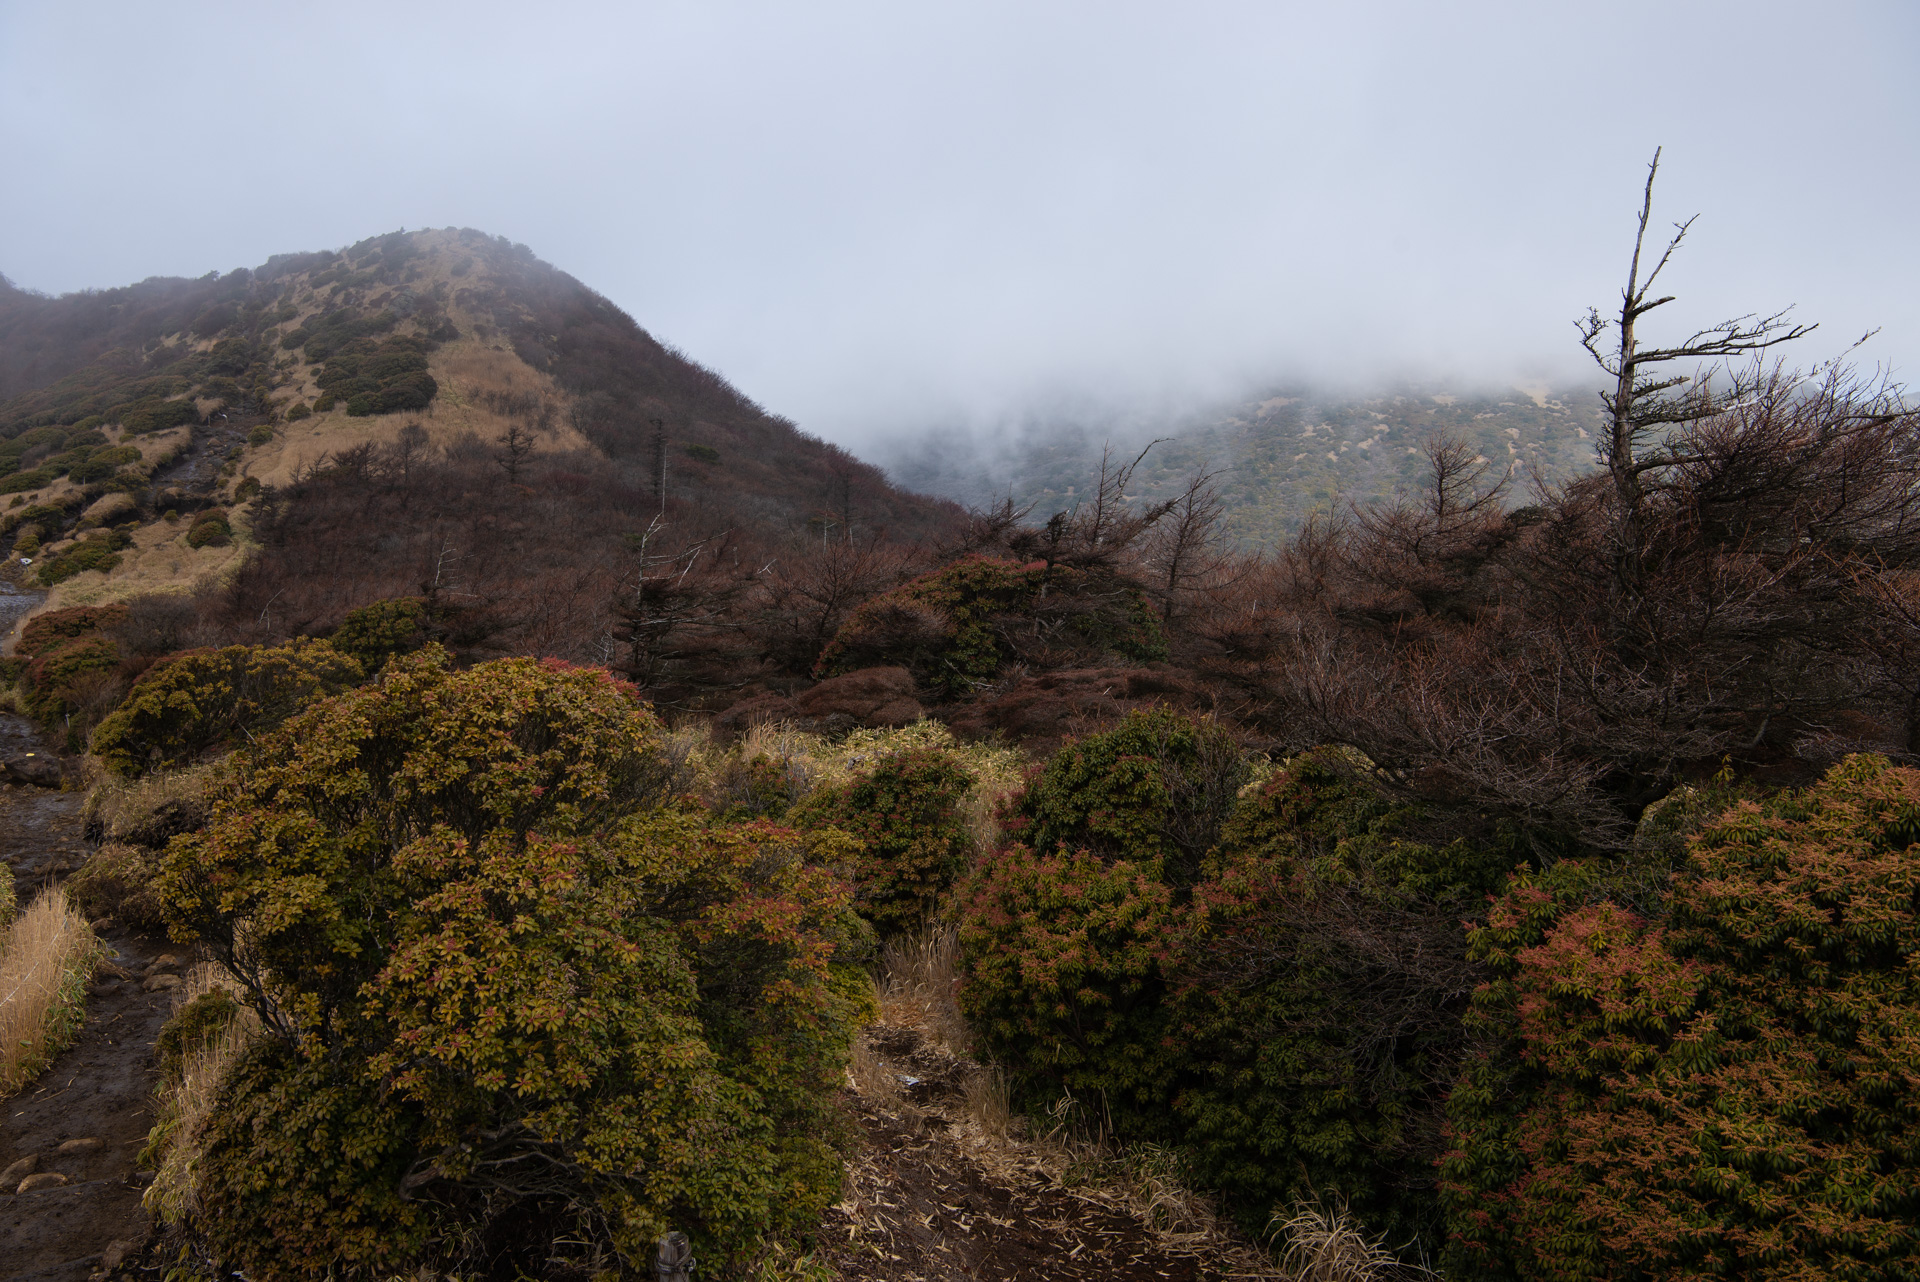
[
  {"x": 116, "y": 1254},
  {"x": 36, "y": 768},
  {"x": 44, "y": 1180},
  {"x": 104, "y": 988},
  {"x": 100, "y": 925},
  {"x": 161, "y": 983},
  {"x": 165, "y": 961},
  {"x": 20, "y": 1170},
  {"x": 85, "y": 1144}
]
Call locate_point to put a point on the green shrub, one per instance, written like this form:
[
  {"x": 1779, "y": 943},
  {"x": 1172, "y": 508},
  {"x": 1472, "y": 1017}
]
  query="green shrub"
[
  {"x": 518, "y": 1015},
  {"x": 1285, "y": 1009},
  {"x": 103, "y": 463},
  {"x": 1154, "y": 789},
  {"x": 261, "y": 435},
  {"x": 299, "y": 411},
  {"x": 323, "y": 402},
  {"x": 702, "y": 453},
  {"x": 154, "y": 414},
  {"x": 1066, "y": 963},
  {"x": 1727, "y": 1093},
  {"x": 913, "y": 841},
  {"x": 210, "y": 529},
  {"x": 246, "y": 489},
  {"x": 956, "y": 628},
  {"x": 191, "y": 703},
  {"x": 375, "y": 633},
  {"x": 100, "y": 551},
  {"x": 378, "y": 376},
  {"x": 20, "y": 482}
]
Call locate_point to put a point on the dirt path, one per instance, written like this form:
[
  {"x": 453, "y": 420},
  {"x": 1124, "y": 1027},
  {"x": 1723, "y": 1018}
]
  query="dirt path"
[
  {"x": 933, "y": 1198},
  {"x": 88, "y": 1116}
]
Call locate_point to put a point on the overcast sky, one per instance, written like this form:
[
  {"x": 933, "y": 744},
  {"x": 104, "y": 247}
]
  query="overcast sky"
[{"x": 885, "y": 217}]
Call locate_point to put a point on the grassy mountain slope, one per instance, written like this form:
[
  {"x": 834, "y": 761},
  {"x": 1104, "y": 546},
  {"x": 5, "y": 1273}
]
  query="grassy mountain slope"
[{"x": 120, "y": 406}]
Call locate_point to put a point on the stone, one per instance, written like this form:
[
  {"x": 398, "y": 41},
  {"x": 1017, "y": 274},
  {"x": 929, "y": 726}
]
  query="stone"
[
  {"x": 36, "y": 768},
  {"x": 100, "y": 925},
  {"x": 116, "y": 1254},
  {"x": 44, "y": 1180},
  {"x": 165, "y": 961},
  {"x": 20, "y": 1170},
  {"x": 85, "y": 1144},
  {"x": 161, "y": 983}
]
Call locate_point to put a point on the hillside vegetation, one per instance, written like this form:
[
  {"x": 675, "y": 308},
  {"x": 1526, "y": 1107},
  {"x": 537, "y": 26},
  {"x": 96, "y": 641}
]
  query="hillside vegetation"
[{"x": 1528, "y": 879}]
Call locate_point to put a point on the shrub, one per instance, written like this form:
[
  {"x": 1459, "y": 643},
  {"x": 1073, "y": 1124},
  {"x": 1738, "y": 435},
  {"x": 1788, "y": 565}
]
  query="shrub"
[
  {"x": 955, "y": 628},
  {"x": 1727, "y": 1093},
  {"x": 263, "y": 435},
  {"x": 913, "y": 841},
  {"x": 194, "y": 702},
  {"x": 210, "y": 529},
  {"x": 1320, "y": 999},
  {"x": 1285, "y": 1009},
  {"x": 702, "y": 453},
  {"x": 375, "y": 633},
  {"x": 118, "y": 882},
  {"x": 323, "y": 402},
  {"x": 514, "y": 1013},
  {"x": 299, "y": 411},
  {"x": 1154, "y": 789},
  {"x": 153, "y": 414},
  {"x": 248, "y": 487},
  {"x": 96, "y": 552},
  {"x": 1066, "y": 957},
  {"x": 20, "y": 482},
  {"x": 68, "y": 652}
]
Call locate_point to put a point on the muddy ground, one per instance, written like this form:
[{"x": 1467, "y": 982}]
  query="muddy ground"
[{"x": 87, "y": 1117}]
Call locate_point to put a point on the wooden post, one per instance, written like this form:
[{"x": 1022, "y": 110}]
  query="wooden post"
[{"x": 673, "y": 1258}]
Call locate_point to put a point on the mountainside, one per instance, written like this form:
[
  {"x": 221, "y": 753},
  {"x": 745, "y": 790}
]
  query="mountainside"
[
  {"x": 1281, "y": 456},
  {"x": 433, "y": 411}
]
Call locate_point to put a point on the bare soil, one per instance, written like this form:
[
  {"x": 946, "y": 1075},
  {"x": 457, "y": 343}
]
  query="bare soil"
[
  {"x": 99, "y": 1089},
  {"x": 931, "y": 1198}
]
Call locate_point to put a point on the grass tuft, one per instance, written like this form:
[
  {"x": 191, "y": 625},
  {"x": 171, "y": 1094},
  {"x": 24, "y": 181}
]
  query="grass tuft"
[{"x": 49, "y": 957}]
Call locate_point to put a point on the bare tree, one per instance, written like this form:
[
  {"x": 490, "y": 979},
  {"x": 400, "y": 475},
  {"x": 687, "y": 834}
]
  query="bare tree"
[
  {"x": 408, "y": 452},
  {"x": 516, "y": 446},
  {"x": 1187, "y": 548},
  {"x": 1647, "y": 400},
  {"x": 670, "y": 589}
]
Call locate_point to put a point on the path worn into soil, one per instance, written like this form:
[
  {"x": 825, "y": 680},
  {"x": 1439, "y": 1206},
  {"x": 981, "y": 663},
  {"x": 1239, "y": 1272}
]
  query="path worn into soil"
[
  {"x": 100, "y": 1089},
  {"x": 931, "y": 1200}
]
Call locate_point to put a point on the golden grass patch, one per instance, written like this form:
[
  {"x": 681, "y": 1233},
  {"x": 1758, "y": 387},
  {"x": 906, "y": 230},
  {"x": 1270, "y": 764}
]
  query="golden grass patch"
[{"x": 50, "y": 955}]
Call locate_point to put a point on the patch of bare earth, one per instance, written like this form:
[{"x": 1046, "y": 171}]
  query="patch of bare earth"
[{"x": 946, "y": 1186}]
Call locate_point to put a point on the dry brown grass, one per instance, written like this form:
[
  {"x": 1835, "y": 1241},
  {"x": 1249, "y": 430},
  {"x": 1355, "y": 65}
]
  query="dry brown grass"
[
  {"x": 919, "y": 978},
  {"x": 49, "y": 957},
  {"x": 123, "y": 806},
  {"x": 1324, "y": 1244},
  {"x": 184, "y": 1106}
]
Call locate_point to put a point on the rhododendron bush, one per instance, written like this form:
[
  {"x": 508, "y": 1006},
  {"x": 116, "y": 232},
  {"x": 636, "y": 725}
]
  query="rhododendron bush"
[
  {"x": 515, "y": 1006},
  {"x": 1734, "y": 1091}
]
